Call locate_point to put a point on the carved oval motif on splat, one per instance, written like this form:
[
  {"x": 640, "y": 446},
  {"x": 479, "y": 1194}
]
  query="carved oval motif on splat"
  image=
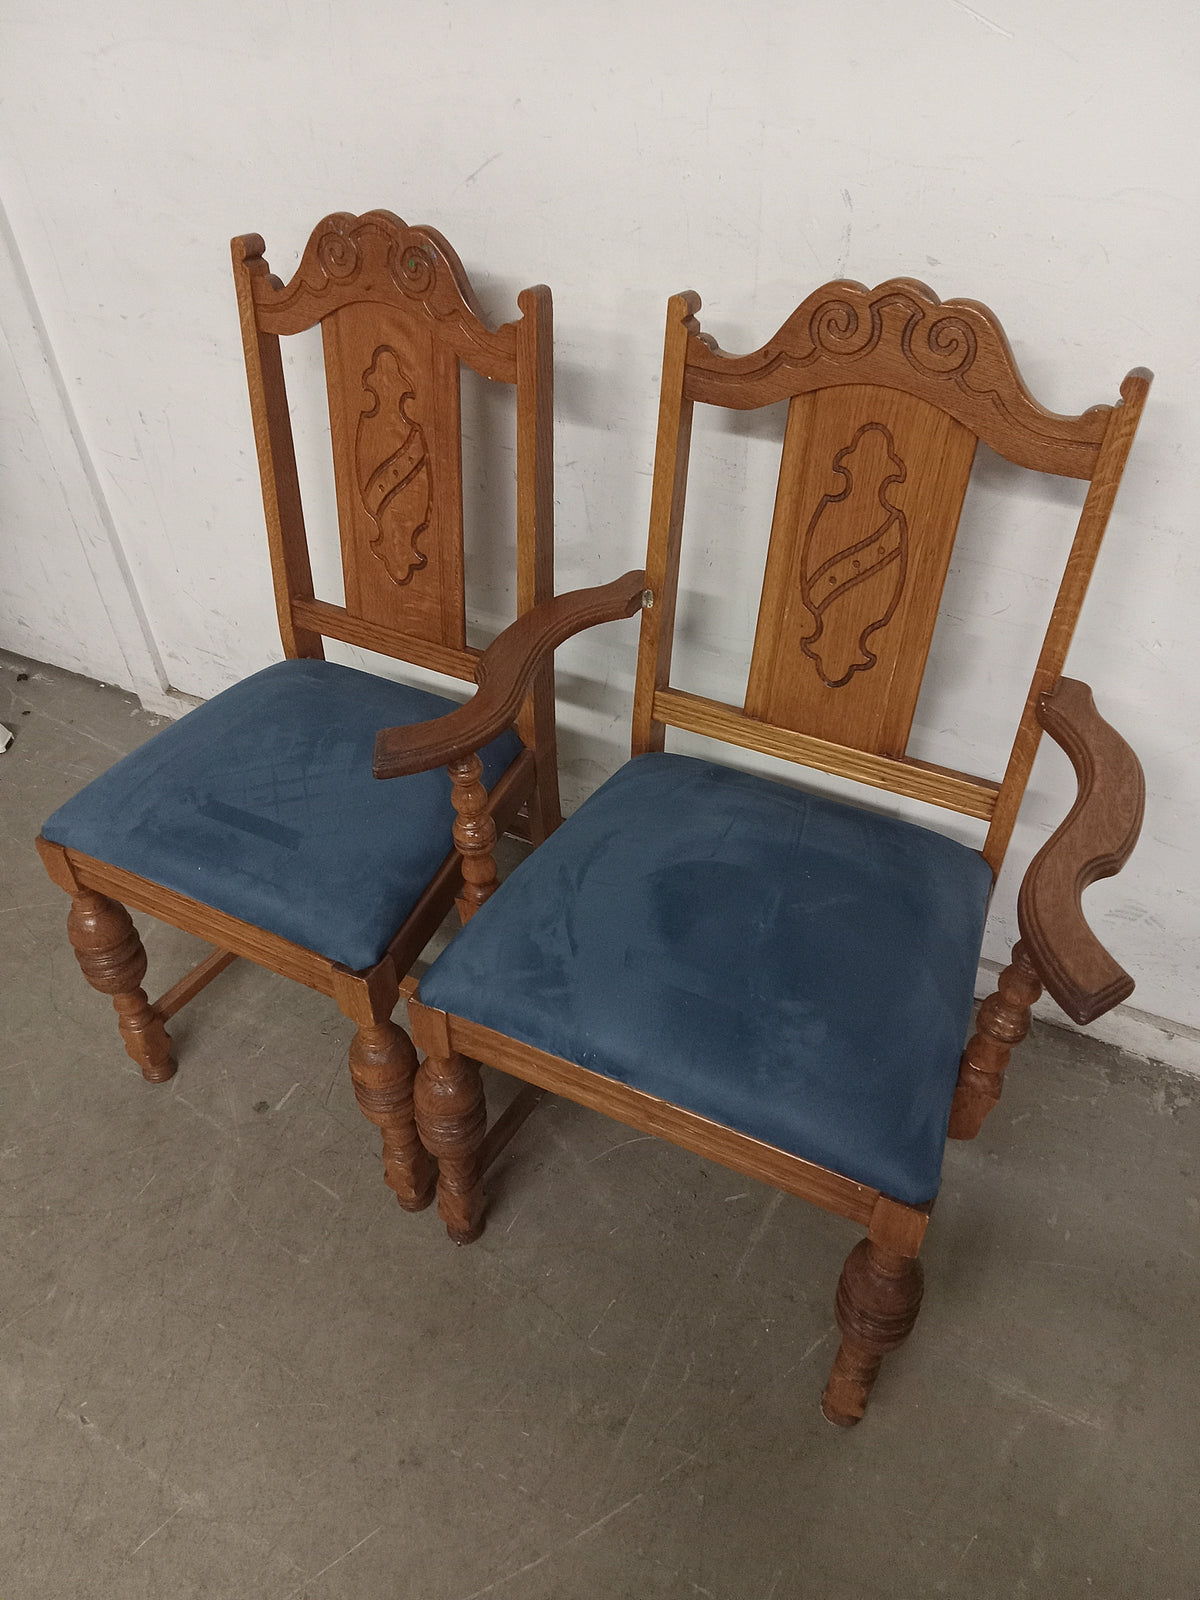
[
  {"x": 393, "y": 468},
  {"x": 855, "y": 557}
]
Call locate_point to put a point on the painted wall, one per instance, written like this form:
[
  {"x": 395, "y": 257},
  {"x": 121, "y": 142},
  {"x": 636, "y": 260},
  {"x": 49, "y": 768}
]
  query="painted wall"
[
  {"x": 66, "y": 593},
  {"x": 1039, "y": 157}
]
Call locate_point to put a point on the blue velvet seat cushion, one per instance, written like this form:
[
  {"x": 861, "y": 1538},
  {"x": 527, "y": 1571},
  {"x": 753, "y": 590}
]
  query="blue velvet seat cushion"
[
  {"x": 792, "y": 967},
  {"x": 261, "y": 803}
]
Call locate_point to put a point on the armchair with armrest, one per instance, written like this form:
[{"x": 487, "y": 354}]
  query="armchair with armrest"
[{"x": 768, "y": 977}]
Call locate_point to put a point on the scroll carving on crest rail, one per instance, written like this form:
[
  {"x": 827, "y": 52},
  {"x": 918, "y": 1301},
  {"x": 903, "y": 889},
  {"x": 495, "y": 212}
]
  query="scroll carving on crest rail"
[
  {"x": 379, "y": 257},
  {"x": 851, "y": 580},
  {"x": 900, "y": 335},
  {"x": 392, "y": 465}
]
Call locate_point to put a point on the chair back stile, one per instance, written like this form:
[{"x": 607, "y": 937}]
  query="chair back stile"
[
  {"x": 888, "y": 392},
  {"x": 397, "y": 316}
]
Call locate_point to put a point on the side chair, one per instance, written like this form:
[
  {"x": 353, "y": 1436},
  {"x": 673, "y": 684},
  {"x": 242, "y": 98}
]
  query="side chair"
[
  {"x": 253, "y": 821},
  {"x": 769, "y": 977}
]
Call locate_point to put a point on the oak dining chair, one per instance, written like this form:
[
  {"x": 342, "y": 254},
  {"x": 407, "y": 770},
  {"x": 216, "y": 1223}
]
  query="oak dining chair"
[
  {"x": 253, "y": 822},
  {"x": 770, "y": 977}
]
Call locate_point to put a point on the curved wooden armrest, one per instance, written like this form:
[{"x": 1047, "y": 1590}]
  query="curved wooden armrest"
[
  {"x": 503, "y": 675},
  {"x": 1094, "y": 842}
]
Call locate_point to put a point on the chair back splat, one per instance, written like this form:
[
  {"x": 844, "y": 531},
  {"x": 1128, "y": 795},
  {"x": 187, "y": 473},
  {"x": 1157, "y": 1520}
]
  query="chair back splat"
[
  {"x": 397, "y": 316},
  {"x": 888, "y": 392}
]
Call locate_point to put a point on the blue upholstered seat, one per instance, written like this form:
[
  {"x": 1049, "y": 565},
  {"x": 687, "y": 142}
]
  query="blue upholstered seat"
[
  {"x": 261, "y": 803},
  {"x": 792, "y": 967}
]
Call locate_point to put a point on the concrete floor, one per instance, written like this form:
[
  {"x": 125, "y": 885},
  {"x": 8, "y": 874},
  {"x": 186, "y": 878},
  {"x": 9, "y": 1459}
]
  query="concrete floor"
[{"x": 232, "y": 1367}]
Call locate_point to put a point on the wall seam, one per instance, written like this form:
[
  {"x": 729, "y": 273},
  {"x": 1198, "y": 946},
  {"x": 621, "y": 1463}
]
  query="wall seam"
[{"x": 143, "y": 642}]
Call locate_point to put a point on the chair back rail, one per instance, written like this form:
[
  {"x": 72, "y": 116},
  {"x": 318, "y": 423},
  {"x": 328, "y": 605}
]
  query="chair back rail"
[{"x": 888, "y": 392}]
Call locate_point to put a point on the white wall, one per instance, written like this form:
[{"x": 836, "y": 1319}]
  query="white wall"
[
  {"x": 66, "y": 593},
  {"x": 1039, "y": 157}
]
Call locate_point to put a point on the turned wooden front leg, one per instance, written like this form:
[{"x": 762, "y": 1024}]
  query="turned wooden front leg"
[
  {"x": 383, "y": 1067},
  {"x": 112, "y": 958},
  {"x": 1002, "y": 1023},
  {"x": 878, "y": 1298},
  {"x": 452, "y": 1121},
  {"x": 474, "y": 835}
]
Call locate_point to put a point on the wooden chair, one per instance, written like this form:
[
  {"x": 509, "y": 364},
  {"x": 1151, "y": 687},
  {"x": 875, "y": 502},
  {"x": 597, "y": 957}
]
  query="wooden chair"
[
  {"x": 254, "y": 821},
  {"x": 771, "y": 978}
]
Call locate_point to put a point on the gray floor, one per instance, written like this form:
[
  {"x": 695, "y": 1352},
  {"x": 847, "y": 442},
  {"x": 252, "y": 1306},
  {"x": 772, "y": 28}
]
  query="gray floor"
[{"x": 230, "y": 1366}]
